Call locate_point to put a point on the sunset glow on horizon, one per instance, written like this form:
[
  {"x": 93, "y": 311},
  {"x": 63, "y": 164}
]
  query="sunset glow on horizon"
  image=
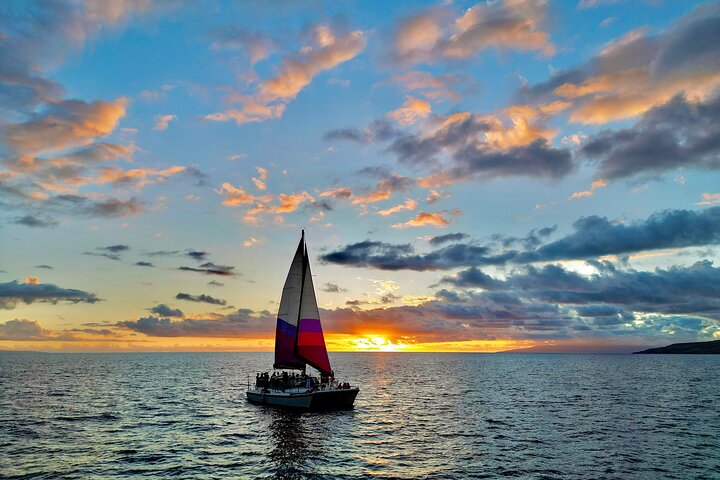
[{"x": 470, "y": 175}]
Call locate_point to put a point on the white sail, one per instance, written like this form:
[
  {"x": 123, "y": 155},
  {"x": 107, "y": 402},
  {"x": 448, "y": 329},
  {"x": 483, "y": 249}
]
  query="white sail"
[{"x": 288, "y": 314}]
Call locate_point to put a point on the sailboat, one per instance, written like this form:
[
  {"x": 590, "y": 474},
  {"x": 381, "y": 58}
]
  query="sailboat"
[{"x": 299, "y": 342}]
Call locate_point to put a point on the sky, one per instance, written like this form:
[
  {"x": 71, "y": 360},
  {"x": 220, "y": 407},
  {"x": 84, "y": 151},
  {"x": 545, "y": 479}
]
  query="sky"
[{"x": 471, "y": 176}]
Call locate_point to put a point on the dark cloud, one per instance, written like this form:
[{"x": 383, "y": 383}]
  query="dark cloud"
[
  {"x": 597, "y": 236},
  {"x": 449, "y": 237},
  {"x": 165, "y": 311},
  {"x": 378, "y": 131},
  {"x": 460, "y": 137},
  {"x": 31, "y": 330},
  {"x": 385, "y": 299},
  {"x": 202, "y": 298},
  {"x": 35, "y": 222},
  {"x": 12, "y": 293},
  {"x": 211, "y": 269},
  {"x": 214, "y": 283},
  {"x": 388, "y": 256},
  {"x": 242, "y": 323},
  {"x": 593, "y": 237},
  {"x": 538, "y": 159},
  {"x": 45, "y": 267},
  {"x": 197, "y": 255},
  {"x": 333, "y": 288},
  {"x": 111, "y": 252},
  {"x": 84, "y": 206},
  {"x": 473, "y": 277},
  {"x": 678, "y": 134},
  {"x": 163, "y": 253},
  {"x": 144, "y": 264},
  {"x": 115, "y": 248}
]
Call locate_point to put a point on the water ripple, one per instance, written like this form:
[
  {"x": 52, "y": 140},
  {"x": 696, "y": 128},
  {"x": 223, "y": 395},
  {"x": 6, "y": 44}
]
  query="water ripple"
[{"x": 431, "y": 416}]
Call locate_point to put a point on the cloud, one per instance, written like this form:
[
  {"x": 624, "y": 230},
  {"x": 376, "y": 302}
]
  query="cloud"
[
  {"x": 111, "y": 251},
  {"x": 202, "y": 298},
  {"x": 23, "y": 330},
  {"x": 214, "y": 283},
  {"x": 465, "y": 146},
  {"x": 196, "y": 255},
  {"x": 239, "y": 324},
  {"x": 593, "y": 237},
  {"x": 710, "y": 199},
  {"x": 435, "y": 87},
  {"x": 385, "y": 188},
  {"x": 440, "y": 33},
  {"x": 473, "y": 278},
  {"x": 12, "y": 293},
  {"x": 327, "y": 49},
  {"x": 597, "y": 236},
  {"x": 65, "y": 124},
  {"x": 337, "y": 193},
  {"x": 423, "y": 219},
  {"x": 388, "y": 256},
  {"x": 94, "y": 205},
  {"x": 44, "y": 267},
  {"x": 144, "y": 264},
  {"x": 255, "y": 45},
  {"x": 35, "y": 222},
  {"x": 448, "y": 237},
  {"x": 411, "y": 111},
  {"x": 259, "y": 181},
  {"x": 333, "y": 288},
  {"x": 163, "y": 121},
  {"x": 638, "y": 71},
  {"x": 409, "y": 204},
  {"x": 115, "y": 248},
  {"x": 211, "y": 269},
  {"x": 165, "y": 311},
  {"x": 678, "y": 134}
]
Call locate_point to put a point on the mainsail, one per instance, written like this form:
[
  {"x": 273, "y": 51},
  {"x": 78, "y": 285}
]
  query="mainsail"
[
  {"x": 311, "y": 342},
  {"x": 299, "y": 338}
]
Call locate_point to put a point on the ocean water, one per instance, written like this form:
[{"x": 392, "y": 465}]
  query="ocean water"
[{"x": 444, "y": 416}]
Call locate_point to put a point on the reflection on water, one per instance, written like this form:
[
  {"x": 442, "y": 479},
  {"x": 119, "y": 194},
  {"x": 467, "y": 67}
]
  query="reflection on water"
[
  {"x": 417, "y": 416},
  {"x": 291, "y": 441}
]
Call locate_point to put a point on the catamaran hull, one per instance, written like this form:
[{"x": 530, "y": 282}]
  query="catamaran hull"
[{"x": 341, "y": 399}]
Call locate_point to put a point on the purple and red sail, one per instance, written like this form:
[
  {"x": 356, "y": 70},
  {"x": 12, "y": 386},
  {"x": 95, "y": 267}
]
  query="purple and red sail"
[{"x": 299, "y": 337}]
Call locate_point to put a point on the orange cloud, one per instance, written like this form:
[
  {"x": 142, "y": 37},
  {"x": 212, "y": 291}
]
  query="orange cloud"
[
  {"x": 411, "y": 111},
  {"x": 271, "y": 96},
  {"x": 237, "y": 196},
  {"x": 337, "y": 192},
  {"x": 70, "y": 123},
  {"x": 427, "y": 84},
  {"x": 438, "y": 33},
  {"x": 409, "y": 204},
  {"x": 298, "y": 71},
  {"x": 710, "y": 199},
  {"x": 31, "y": 281},
  {"x": 423, "y": 219},
  {"x": 137, "y": 176},
  {"x": 259, "y": 181}
]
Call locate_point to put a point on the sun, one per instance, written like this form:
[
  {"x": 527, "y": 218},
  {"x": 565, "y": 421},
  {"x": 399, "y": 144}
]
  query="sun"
[{"x": 376, "y": 343}]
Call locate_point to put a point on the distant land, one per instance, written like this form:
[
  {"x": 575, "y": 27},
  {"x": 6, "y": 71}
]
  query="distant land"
[
  {"x": 582, "y": 348},
  {"x": 687, "y": 348}
]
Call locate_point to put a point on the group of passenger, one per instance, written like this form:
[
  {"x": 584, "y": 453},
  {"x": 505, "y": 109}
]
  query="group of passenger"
[{"x": 283, "y": 381}]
